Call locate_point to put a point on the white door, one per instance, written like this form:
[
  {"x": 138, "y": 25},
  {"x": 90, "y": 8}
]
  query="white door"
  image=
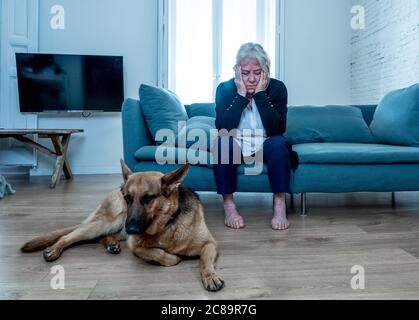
[{"x": 19, "y": 33}]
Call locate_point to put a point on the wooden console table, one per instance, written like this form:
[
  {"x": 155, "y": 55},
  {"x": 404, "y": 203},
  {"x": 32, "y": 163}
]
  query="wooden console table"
[{"x": 60, "y": 146}]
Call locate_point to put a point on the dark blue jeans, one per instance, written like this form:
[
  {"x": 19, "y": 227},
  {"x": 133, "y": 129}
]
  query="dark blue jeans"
[{"x": 275, "y": 154}]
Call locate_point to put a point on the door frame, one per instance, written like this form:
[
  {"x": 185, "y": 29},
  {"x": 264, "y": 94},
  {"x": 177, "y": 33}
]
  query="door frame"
[{"x": 19, "y": 29}]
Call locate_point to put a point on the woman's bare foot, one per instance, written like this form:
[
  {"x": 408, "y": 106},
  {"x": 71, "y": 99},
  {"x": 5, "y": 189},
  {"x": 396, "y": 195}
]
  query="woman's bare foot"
[
  {"x": 279, "y": 220},
  {"x": 232, "y": 217}
]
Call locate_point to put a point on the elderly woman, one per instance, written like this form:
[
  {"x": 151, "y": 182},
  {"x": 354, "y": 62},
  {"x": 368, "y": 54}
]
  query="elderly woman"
[{"x": 248, "y": 102}]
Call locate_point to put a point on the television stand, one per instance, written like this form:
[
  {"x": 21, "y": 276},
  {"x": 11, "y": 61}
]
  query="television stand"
[{"x": 60, "y": 147}]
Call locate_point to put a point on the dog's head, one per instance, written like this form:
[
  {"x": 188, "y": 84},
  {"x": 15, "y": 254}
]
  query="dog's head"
[{"x": 151, "y": 198}]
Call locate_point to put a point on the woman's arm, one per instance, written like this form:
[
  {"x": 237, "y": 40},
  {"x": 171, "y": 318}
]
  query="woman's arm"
[
  {"x": 272, "y": 107},
  {"x": 229, "y": 106}
]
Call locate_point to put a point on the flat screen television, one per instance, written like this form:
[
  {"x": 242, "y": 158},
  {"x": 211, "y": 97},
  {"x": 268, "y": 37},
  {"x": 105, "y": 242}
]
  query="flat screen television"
[{"x": 64, "y": 82}]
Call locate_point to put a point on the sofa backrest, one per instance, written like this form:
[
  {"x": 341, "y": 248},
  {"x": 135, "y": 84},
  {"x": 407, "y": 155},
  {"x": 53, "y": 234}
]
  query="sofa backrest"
[
  {"x": 332, "y": 123},
  {"x": 136, "y": 133},
  {"x": 208, "y": 109},
  {"x": 367, "y": 111}
]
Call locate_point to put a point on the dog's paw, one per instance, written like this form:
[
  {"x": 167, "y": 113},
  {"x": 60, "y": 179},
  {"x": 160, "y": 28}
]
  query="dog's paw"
[
  {"x": 51, "y": 254},
  {"x": 212, "y": 282},
  {"x": 113, "y": 248}
]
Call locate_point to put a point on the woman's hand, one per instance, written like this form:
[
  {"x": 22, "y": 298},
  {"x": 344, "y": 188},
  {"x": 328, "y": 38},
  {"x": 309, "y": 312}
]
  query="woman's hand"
[
  {"x": 263, "y": 83},
  {"x": 241, "y": 88}
]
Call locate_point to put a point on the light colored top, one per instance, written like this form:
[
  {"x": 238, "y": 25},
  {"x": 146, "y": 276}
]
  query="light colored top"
[{"x": 251, "y": 133}]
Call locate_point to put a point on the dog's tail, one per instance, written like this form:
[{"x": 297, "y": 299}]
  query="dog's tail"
[{"x": 46, "y": 240}]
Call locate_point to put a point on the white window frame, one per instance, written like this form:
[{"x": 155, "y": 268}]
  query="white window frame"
[
  {"x": 166, "y": 10},
  {"x": 217, "y": 14},
  {"x": 280, "y": 43},
  {"x": 162, "y": 44}
]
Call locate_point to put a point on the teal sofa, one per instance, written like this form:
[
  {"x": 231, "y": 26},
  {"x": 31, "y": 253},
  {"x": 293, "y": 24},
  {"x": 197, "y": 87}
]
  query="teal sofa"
[{"x": 338, "y": 151}]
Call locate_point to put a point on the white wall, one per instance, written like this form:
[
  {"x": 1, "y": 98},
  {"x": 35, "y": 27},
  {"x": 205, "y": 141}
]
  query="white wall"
[
  {"x": 127, "y": 28},
  {"x": 317, "y": 51},
  {"x": 385, "y": 55}
]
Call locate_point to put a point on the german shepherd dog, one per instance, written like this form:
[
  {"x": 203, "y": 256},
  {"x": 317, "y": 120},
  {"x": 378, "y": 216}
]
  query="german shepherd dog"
[{"x": 162, "y": 221}]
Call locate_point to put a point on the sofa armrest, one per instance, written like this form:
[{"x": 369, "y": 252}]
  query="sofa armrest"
[{"x": 135, "y": 133}]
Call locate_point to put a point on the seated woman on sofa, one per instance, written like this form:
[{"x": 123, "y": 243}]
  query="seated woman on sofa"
[{"x": 252, "y": 107}]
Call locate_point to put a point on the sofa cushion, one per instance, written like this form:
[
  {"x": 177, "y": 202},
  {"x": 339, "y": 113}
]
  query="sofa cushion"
[
  {"x": 172, "y": 155},
  {"x": 198, "y": 133},
  {"x": 162, "y": 109},
  {"x": 396, "y": 120},
  {"x": 307, "y": 124},
  {"x": 201, "y": 109},
  {"x": 198, "y": 178},
  {"x": 350, "y": 153}
]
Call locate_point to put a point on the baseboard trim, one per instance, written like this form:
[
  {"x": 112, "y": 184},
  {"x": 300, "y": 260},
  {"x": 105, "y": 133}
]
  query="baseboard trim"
[
  {"x": 78, "y": 170},
  {"x": 14, "y": 170}
]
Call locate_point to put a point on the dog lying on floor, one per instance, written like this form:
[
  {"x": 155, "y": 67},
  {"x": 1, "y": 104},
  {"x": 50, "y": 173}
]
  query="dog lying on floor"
[{"x": 161, "y": 220}]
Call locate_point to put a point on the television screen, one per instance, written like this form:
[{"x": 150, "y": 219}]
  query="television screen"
[{"x": 62, "y": 82}]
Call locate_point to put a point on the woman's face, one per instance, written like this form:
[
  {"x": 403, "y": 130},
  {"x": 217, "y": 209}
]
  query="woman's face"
[{"x": 251, "y": 74}]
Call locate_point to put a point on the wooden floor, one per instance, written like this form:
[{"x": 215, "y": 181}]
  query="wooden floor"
[{"x": 311, "y": 260}]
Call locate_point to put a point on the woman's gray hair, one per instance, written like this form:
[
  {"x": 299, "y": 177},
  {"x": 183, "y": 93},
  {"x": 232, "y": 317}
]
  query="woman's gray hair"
[{"x": 255, "y": 51}]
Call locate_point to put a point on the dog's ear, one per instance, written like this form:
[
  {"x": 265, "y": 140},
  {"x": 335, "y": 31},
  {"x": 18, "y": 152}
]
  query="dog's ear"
[
  {"x": 126, "y": 172},
  {"x": 170, "y": 181}
]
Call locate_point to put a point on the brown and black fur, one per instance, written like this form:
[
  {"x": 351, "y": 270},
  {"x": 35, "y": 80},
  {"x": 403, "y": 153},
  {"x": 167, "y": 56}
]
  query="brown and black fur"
[{"x": 162, "y": 221}]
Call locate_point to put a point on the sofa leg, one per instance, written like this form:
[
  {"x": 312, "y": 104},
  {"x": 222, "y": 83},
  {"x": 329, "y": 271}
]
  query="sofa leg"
[
  {"x": 303, "y": 204},
  {"x": 393, "y": 199}
]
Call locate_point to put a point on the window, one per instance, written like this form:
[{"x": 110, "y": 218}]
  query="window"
[{"x": 203, "y": 37}]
